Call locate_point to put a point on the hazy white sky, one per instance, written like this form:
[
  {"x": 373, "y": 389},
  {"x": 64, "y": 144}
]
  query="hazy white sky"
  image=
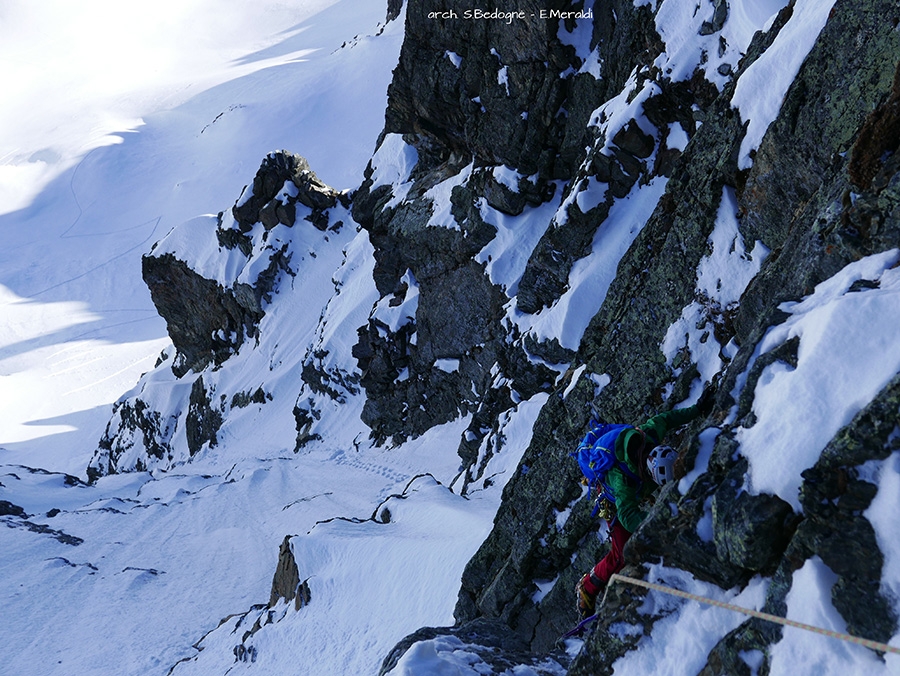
[{"x": 73, "y": 73}]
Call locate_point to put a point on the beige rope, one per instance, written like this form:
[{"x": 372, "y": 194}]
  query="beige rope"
[{"x": 874, "y": 645}]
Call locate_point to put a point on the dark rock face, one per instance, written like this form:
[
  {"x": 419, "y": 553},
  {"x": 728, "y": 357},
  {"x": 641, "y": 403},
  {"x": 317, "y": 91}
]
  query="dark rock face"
[
  {"x": 266, "y": 204},
  {"x": 9, "y": 509},
  {"x": 286, "y": 583},
  {"x": 751, "y": 531},
  {"x": 823, "y": 191},
  {"x": 797, "y": 195},
  {"x": 203, "y": 419},
  {"x": 463, "y": 109},
  {"x": 207, "y": 323},
  {"x": 449, "y": 102},
  {"x": 458, "y": 317}
]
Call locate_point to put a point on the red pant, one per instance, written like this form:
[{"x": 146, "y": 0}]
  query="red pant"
[{"x": 611, "y": 563}]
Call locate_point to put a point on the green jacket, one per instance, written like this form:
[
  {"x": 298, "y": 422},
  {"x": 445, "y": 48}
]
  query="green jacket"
[{"x": 629, "y": 494}]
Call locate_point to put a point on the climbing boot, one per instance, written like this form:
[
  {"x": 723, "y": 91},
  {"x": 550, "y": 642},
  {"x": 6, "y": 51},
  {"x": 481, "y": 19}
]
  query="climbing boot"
[{"x": 586, "y": 592}]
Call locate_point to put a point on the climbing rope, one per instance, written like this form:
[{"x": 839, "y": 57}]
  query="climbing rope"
[{"x": 874, "y": 645}]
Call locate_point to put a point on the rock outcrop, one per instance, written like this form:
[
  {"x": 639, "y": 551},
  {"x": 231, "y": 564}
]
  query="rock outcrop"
[
  {"x": 212, "y": 279},
  {"x": 474, "y": 100},
  {"x": 207, "y": 323}
]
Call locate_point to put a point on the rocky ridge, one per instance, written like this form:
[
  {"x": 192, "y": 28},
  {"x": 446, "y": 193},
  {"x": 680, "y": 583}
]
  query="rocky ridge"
[
  {"x": 211, "y": 280},
  {"x": 806, "y": 201}
]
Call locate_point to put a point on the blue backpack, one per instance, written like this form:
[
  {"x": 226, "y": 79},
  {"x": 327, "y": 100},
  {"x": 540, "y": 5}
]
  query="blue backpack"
[{"x": 596, "y": 455}]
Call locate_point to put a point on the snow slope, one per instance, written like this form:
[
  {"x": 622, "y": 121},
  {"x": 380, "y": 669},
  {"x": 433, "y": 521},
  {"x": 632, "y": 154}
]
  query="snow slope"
[
  {"x": 108, "y": 153},
  {"x": 126, "y": 126},
  {"x": 104, "y": 154}
]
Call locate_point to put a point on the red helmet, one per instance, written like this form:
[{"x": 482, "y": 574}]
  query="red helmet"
[{"x": 661, "y": 463}]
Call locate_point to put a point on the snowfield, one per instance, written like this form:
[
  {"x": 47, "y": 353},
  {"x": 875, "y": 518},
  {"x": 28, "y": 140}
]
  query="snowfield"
[{"x": 131, "y": 126}]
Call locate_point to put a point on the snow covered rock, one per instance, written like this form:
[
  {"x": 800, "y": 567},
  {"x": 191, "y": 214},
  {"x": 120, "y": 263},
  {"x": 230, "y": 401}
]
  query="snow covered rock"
[
  {"x": 214, "y": 279},
  {"x": 769, "y": 504},
  {"x": 285, "y": 179},
  {"x": 211, "y": 279},
  {"x": 484, "y": 646}
]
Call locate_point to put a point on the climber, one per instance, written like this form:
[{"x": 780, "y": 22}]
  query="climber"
[{"x": 643, "y": 464}]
